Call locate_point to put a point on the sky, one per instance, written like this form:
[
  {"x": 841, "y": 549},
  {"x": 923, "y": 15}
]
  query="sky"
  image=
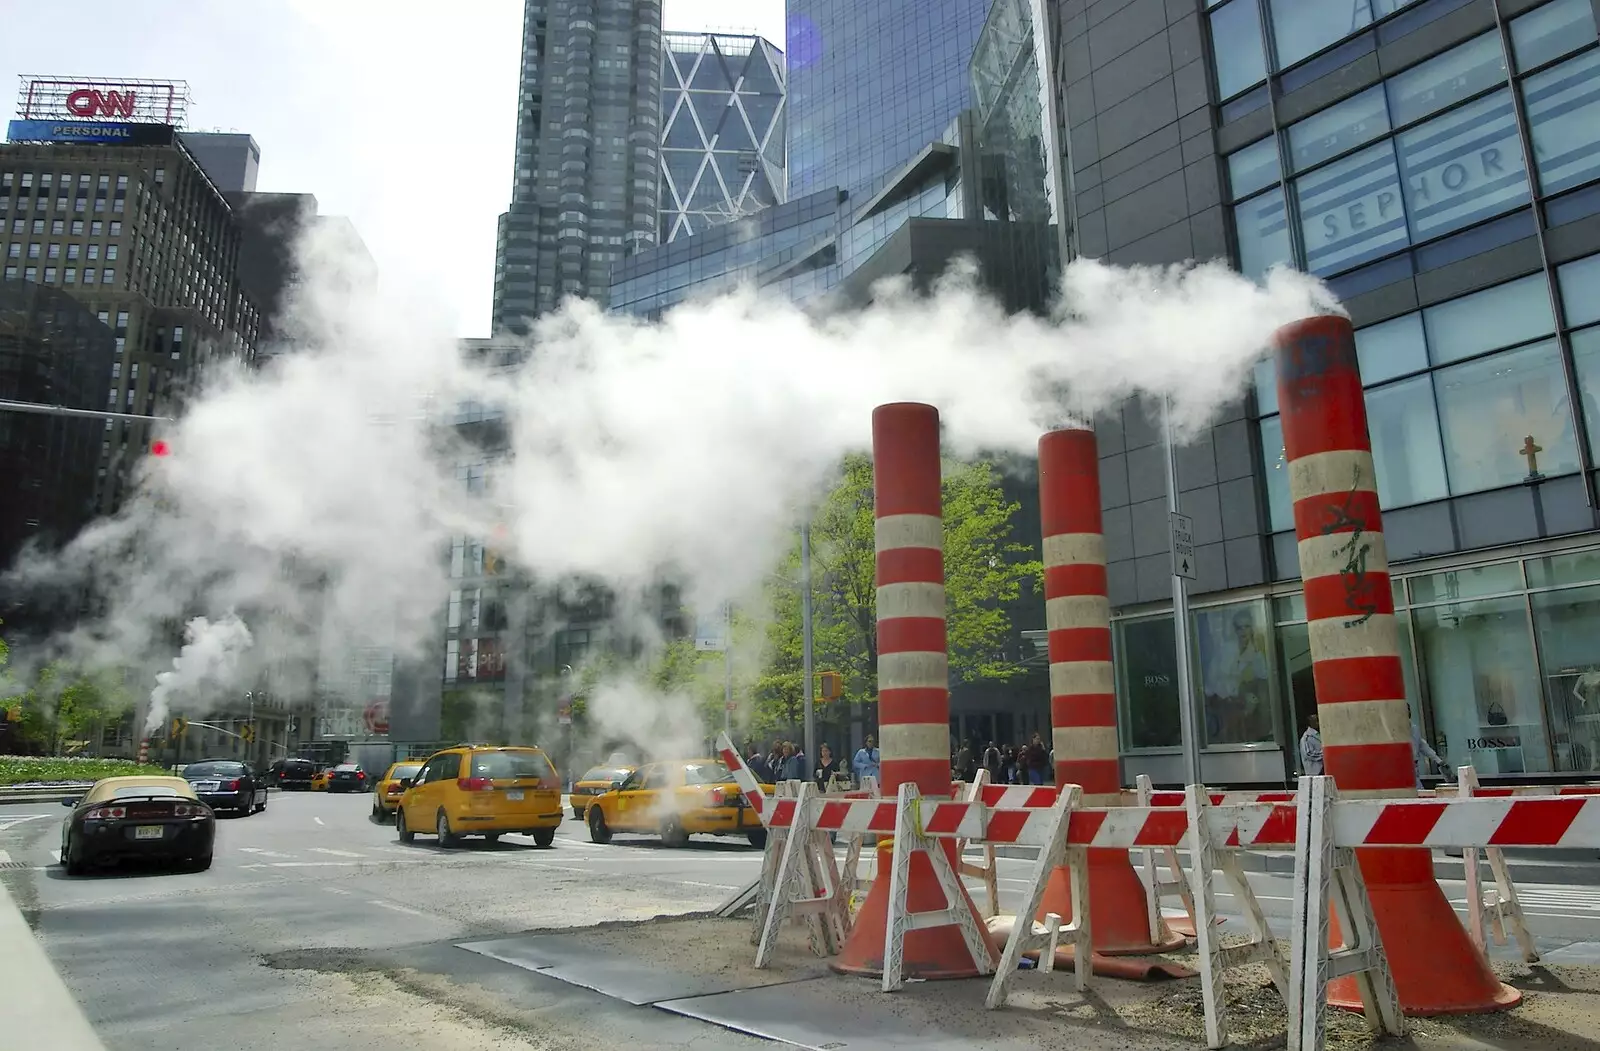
[{"x": 399, "y": 114}]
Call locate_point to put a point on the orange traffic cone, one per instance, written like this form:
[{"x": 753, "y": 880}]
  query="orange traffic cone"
[
  {"x": 933, "y": 952},
  {"x": 1118, "y": 924},
  {"x": 1437, "y": 970}
]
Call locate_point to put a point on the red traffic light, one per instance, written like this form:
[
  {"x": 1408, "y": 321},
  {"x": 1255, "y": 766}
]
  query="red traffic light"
[{"x": 160, "y": 448}]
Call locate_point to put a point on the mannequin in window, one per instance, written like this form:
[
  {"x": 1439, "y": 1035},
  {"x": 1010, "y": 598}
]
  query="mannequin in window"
[{"x": 1586, "y": 690}]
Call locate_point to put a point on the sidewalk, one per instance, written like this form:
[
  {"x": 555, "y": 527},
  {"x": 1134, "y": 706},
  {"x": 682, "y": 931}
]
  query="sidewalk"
[{"x": 36, "y": 1002}]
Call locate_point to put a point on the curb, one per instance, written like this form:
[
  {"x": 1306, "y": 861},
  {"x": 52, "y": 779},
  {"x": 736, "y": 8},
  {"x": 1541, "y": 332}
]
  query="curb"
[
  {"x": 37, "y": 999},
  {"x": 10, "y": 796}
]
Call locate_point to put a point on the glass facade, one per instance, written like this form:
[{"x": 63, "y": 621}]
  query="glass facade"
[
  {"x": 871, "y": 83},
  {"x": 722, "y": 130}
]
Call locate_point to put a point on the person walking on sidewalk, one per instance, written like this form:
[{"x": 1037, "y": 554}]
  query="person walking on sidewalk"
[
  {"x": 1422, "y": 753},
  {"x": 1311, "y": 747},
  {"x": 865, "y": 763},
  {"x": 1036, "y": 761}
]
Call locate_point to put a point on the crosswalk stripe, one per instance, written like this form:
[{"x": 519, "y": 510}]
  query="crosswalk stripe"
[
  {"x": 336, "y": 853},
  {"x": 5, "y": 858}
]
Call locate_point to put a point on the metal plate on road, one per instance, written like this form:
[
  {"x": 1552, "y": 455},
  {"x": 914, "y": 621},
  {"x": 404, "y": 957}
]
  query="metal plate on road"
[{"x": 1182, "y": 546}]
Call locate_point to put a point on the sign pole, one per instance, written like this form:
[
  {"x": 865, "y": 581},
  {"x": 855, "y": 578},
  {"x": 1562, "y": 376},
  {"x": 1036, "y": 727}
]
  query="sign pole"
[
  {"x": 805, "y": 643},
  {"x": 727, "y": 670},
  {"x": 1183, "y": 571}
]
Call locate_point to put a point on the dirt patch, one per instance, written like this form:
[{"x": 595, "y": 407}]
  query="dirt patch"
[{"x": 710, "y": 946}]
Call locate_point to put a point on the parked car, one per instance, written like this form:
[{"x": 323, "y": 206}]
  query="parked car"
[
  {"x": 227, "y": 784},
  {"x": 347, "y": 777},
  {"x": 137, "y": 817},
  {"x": 482, "y": 790},
  {"x": 292, "y": 774}
]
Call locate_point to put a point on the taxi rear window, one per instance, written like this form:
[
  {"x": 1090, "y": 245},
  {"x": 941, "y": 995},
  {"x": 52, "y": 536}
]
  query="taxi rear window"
[
  {"x": 604, "y": 773},
  {"x": 706, "y": 774},
  {"x": 503, "y": 765}
]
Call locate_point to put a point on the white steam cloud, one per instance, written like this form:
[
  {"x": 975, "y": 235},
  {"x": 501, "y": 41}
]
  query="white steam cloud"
[
  {"x": 318, "y": 496},
  {"x": 209, "y": 661}
]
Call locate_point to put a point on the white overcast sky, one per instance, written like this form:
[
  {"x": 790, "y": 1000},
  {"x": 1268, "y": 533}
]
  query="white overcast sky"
[{"x": 400, "y": 114}]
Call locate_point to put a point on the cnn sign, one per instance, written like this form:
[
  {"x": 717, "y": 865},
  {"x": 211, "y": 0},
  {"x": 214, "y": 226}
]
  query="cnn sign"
[{"x": 127, "y": 101}]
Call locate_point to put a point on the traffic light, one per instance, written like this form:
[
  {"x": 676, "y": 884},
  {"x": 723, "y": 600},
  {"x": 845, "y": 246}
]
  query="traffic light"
[
  {"x": 248, "y": 733},
  {"x": 180, "y": 726},
  {"x": 830, "y": 685},
  {"x": 14, "y": 714},
  {"x": 159, "y": 447}
]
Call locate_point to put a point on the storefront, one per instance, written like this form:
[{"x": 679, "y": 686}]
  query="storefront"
[{"x": 1501, "y": 657}]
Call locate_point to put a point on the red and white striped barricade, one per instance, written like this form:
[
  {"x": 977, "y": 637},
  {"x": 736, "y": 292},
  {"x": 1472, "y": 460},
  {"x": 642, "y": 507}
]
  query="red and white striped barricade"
[
  {"x": 985, "y": 872},
  {"x": 1332, "y": 829},
  {"x": 805, "y": 881},
  {"x": 1213, "y": 834}
]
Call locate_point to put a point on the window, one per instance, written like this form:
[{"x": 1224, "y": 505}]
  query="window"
[
  {"x": 1147, "y": 666},
  {"x": 14, "y": 250},
  {"x": 1280, "y": 506},
  {"x": 1253, "y": 167},
  {"x": 1338, "y": 128},
  {"x": 54, "y": 251},
  {"x": 33, "y": 251},
  {"x": 11, "y": 273},
  {"x": 1551, "y": 31},
  {"x": 70, "y": 276},
  {"x": 1351, "y": 210},
  {"x": 49, "y": 275},
  {"x": 1406, "y": 453},
  {"x": 1580, "y": 290},
  {"x": 1236, "y": 40},
  {"x": 1391, "y": 349},
  {"x": 108, "y": 276},
  {"x": 111, "y": 252},
  {"x": 1497, "y": 317},
  {"x": 1475, "y": 66},
  {"x": 1563, "y": 111},
  {"x": 94, "y": 251},
  {"x": 1263, "y": 229},
  {"x": 116, "y": 228},
  {"x": 1462, "y": 167},
  {"x": 57, "y": 226},
  {"x": 1235, "y": 674},
  {"x": 95, "y": 228},
  {"x": 73, "y": 251},
  {"x": 89, "y": 274},
  {"x": 30, "y": 274},
  {"x": 77, "y": 228},
  {"x": 1505, "y": 419}
]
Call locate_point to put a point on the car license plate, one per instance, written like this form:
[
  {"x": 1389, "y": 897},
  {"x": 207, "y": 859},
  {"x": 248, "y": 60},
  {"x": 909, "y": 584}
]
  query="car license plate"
[
  {"x": 148, "y": 831},
  {"x": 514, "y": 794}
]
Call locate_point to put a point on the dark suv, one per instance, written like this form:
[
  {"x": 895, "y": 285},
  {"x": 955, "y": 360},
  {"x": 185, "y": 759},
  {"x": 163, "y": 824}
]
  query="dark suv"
[{"x": 292, "y": 773}]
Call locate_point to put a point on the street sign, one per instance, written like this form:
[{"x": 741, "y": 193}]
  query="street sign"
[
  {"x": 1182, "y": 546},
  {"x": 564, "y": 715},
  {"x": 711, "y": 631}
]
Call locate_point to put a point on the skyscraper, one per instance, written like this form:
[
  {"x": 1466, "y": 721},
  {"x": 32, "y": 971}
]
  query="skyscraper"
[
  {"x": 587, "y": 164},
  {"x": 872, "y": 83},
  {"x": 722, "y": 130}
]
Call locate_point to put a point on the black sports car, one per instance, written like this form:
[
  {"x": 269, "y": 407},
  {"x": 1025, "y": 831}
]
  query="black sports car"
[
  {"x": 137, "y": 817},
  {"x": 227, "y": 784},
  {"x": 348, "y": 777}
]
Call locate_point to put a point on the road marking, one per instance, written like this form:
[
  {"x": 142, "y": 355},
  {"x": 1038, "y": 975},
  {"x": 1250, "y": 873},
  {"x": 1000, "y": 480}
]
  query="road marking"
[
  {"x": 263, "y": 853},
  {"x": 336, "y": 853},
  {"x": 10, "y": 822},
  {"x": 5, "y": 858},
  {"x": 398, "y": 908},
  {"x": 318, "y": 820},
  {"x": 713, "y": 886},
  {"x": 338, "y": 890},
  {"x": 55, "y": 857}
]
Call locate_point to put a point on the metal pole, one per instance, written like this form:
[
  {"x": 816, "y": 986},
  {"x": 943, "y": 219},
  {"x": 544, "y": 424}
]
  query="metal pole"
[
  {"x": 727, "y": 669},
  {"x": 1180, "y": 621},
  {"x": 61, "y": 410},
  {"x": 805, "y": 643}
]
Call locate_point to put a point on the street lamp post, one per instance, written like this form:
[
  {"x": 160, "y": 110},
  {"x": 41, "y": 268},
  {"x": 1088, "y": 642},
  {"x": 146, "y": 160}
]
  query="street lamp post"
[{"x": 805, "y": 640}]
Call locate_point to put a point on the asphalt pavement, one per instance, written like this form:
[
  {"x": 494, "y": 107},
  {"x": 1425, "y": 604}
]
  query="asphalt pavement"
[{"x": 316, "y": 927}]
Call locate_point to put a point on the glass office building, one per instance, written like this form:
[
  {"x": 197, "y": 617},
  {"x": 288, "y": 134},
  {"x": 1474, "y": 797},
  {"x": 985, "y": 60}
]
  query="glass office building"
[
  {"x": 872, "y": 83},
  {"x": 1437, "y": 162},
  {"x": 722, "y": 130}
]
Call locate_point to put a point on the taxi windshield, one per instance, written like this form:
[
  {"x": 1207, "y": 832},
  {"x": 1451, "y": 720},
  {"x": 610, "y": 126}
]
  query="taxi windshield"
[{"x": 706, "y": 774}]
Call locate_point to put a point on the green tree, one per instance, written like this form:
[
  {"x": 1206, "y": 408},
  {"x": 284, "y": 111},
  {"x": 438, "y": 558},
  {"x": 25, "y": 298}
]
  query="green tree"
[{"x": 985, "y": 568}]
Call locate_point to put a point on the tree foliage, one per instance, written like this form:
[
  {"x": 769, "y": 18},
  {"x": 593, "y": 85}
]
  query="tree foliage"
[
  {"x": 59, "y": 703},
  {"x": 985, "y": 570}
]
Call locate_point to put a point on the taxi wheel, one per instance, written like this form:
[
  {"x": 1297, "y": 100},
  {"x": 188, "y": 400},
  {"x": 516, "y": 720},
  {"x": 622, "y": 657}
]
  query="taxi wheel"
[
  {"x": 758, "y": 838},
  {"x": 400, "y": 829},
  {"x": 441, "y": 829},
  {"x": 598, "y": 832},
  {"x": 543, "y": 837},
  {"x": 672, "y": 832}
]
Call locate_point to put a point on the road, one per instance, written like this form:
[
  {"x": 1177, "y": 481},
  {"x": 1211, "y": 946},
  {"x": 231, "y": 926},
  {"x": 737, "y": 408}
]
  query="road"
[{"x": 315, "y": 927}]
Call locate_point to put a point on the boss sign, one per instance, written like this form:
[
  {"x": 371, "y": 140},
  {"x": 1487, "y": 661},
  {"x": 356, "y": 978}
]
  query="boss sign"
[{"x": 92, "y": 102}]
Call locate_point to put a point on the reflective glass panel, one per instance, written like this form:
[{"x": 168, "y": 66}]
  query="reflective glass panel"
[
  {"x": 1391, "y": 349},
  {"x": 1266, "y": 380},
  {"x": 1567, "y": 623},
  {"x": 1505, "y": 419},
  {"x": 1236, "y": 38},
  {"x": 1586, "y": 358},
  {"x": 1235, "y": 674},
  {"x": 1253, "y": 167},
  {"x": 1580, "y": 290},
  {"x": 1483, "y": 681},
  {"x": 1263, "y": 229},
  {"x": 1147, "y": 663},
  {"x": 1462, "y": 167},
  {"x": 1563, "y": 112},
  {"x": 1475, "y": 66},
  {"x": 1496, "y": 317},
  {"x": 1474, "y": 582},
  {"x": 1304, "y": 27},
  {"x": 1551, "y": 31},
  {"x": 1351, "y": 211},
  {"x": 1280, "y": 507},
  {"x": 1338, "y": 128},
  {"x": 1578, "y": 568},
  {"x": 1405, "y": 443}
]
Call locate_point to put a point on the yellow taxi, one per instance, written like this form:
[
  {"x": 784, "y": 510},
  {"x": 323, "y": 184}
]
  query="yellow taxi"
[
  {"x": 386, "y": 793},
  {"x": 675, "y": 800},
  {"x": 481, "y": 790},
  {"x": 596, "y": 781},
  {"x": 319, "y": 780}
]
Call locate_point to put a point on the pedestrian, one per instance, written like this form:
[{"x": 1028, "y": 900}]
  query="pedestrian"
[
  {"x": 827, "y": 766},
  {"x": 799, "y": 765},
  {"x": 759, "y": 766},
  {"x": 1311, "y": 747},
  {"x": 866, "y": 761},
  {"x": 991, "y": 762},
  {"x": 1036, "y": 761},
  {"x": 1422, "y": 753},
  {"x": 965, "y": 767}
]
